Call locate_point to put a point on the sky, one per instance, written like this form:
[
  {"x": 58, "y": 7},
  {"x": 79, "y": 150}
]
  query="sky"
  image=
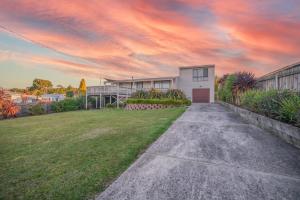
[{"x": 64, "y": 41}]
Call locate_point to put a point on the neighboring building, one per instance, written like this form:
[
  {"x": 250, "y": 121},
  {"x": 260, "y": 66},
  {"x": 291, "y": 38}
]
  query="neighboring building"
[
  {"x": 52, "y": 97},
  {"x": 28, "y": 99},
  {"x": 15, "y": 97},
  {"x": 285, "y": 78},
  {"x": 197, "y": 82}
]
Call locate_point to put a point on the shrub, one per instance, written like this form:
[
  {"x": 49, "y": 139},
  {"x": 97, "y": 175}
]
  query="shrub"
[
  {"x": 265, "y": 102},
  {"x": 140, "y": 94},
  {"x": 289, "y": 109},
  {"x": 225, "y": 92},
  {"x": 244, "y": 81},
  {"x": 9, "y": 109},
  {"x": 155, "y": 94},
  {"x": 110, "y": 105},
  {"x": 175, "y": 94},
  {"x": 69, "y": 93},
  {"x": 68, "y": 105},
  {"x": 159, "y": 101},
  {"x": 37, "y": 109}
]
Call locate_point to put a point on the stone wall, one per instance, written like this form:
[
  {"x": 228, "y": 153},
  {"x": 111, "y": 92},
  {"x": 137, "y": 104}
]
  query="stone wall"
[
  {"x": 289, "y": 133},
  {"x": 146, "y": 106}
]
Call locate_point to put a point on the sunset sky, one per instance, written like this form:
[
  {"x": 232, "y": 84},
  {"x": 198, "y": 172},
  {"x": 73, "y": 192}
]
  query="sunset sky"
[{"x": 64, "y": 41}]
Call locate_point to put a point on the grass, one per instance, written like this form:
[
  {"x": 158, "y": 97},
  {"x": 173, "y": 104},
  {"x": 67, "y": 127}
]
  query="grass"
[{"x": 74, "y": 155}]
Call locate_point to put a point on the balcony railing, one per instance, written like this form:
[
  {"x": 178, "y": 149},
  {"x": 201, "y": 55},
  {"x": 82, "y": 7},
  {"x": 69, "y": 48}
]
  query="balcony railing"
[{"x": 115, "y": 90}]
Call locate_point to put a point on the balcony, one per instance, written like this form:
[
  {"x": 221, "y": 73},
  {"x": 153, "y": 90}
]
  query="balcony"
[{"x": 115, "y": 90}]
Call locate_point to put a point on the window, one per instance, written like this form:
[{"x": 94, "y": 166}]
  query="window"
[
  {"x": 200, "y": 74},
  {"x": 139, "y": 85},
  {"x": 162, "y": 84},
  {"x": 157, "y": 84}
]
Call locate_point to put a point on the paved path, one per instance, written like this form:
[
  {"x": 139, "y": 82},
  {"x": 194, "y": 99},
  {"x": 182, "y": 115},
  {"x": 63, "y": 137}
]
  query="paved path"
[{"x": 211, "y": 153}]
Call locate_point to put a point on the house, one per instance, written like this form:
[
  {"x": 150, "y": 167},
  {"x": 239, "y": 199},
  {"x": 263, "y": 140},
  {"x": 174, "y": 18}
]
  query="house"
[
  {"x": 285, "y": 78},
  {"x": 197, "y": 82},
  {"x": 52, "y": 97}
]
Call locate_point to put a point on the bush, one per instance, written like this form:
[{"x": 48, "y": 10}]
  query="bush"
[
  {"x": 282, "y": 105},
  {"x": 155, "y": 94},
  {"x": 37, "y": 109},
  {"x": 225, "y": 92},
  {"x": 175, "y": 94},
  {"x": 140, "y": 94},
  {"x": 159, "y": 101},
  {"x": 68, "y": 105},
  {"x": 69, "y": 93},
  {"x": 110, "y": 105},
  {"x": 289, "y": 109}
]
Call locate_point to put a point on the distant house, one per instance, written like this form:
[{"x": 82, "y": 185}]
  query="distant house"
[
  {"x": 197, "y": 82},
  {"x": 285, "y": 78},
  {"x": 15, "y": 97},
  {"x": 52, "y": 97}
]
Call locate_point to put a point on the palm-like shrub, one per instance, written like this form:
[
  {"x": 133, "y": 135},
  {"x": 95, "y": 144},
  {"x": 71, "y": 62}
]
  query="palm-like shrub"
[
  {"x": 243, "y": 82},
  {"x": 175, "y": 94},
  {"x": 140, "y": 94},
  {"x": 290, "y": 108},
  {"x": 155, "y": 94}
]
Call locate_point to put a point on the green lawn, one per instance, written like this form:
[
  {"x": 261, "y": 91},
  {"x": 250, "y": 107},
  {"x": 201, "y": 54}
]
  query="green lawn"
[{"x": 74, "y": 155}]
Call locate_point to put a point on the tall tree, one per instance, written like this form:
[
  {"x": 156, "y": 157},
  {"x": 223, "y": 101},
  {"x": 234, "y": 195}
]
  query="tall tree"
[
  {"x": 82, "y": 87},
  {"x": 41, "y": 84}
]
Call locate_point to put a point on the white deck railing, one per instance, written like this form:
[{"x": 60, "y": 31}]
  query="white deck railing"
[{"x": 114, "y": 90}]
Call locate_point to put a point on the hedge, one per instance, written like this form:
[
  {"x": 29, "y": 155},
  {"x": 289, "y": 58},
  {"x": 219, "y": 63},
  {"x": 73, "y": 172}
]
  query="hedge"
[{"x": 68, "y": 105}]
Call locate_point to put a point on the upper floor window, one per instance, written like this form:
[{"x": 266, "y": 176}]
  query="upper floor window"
[{"x": 200, "y": 74}]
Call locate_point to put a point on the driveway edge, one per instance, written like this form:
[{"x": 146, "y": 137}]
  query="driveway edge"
[{"x": 288, "y": 133}]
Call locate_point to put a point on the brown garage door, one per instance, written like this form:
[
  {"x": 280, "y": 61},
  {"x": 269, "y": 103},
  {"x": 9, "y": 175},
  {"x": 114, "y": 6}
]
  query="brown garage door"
[{"x": 201, "y": 95}]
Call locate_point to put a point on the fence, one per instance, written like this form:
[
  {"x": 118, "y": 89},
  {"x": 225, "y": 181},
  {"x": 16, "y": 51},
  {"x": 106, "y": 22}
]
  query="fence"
[{"x": 285, "y": 78}]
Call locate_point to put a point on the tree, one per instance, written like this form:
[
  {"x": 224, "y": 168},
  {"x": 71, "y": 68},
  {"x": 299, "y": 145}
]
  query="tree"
[
  {"x": 41, "y": 84},
  {"x": 82, "y": 87},
  {"x": 7, "y": 107}
]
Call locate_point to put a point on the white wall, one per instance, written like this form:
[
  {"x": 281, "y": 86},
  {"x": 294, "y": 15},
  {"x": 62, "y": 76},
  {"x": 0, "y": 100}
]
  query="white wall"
[{"x": 186, "y": 83}]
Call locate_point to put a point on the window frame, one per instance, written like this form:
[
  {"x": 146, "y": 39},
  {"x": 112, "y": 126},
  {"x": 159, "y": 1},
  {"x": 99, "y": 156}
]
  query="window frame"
[{"x": 200, "y": 74}]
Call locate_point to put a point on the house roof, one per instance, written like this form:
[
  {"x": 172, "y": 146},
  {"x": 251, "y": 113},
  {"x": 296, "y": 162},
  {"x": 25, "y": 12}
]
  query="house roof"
[
  {"x": 196, "y": 66},
  {"x": 142, "y": 79},
  {"x": 271, "y": 74}
]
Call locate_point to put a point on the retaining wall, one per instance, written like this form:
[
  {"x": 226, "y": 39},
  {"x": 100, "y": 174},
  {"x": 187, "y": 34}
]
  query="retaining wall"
[
  {"x": 146, "y": 106},
  {"x": 289, "y": 133}
]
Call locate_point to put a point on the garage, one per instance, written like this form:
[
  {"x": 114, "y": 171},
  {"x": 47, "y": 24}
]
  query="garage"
[{"x": 200, "y": 95}]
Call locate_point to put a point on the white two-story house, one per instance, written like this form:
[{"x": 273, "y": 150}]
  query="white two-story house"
[{"x": 197, "y": 82}]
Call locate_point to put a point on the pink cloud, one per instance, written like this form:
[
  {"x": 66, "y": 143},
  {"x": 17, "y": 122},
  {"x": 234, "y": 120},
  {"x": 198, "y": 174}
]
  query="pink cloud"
[{"x": 147, "y": 38}]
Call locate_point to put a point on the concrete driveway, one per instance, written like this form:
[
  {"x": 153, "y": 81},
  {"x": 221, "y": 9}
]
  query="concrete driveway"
[{"x": 211, "y": 153}]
